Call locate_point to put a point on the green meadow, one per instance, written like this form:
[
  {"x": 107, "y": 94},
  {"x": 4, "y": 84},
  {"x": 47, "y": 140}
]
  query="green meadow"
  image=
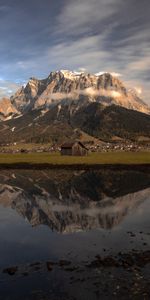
[{"x": 91, "y": 159}]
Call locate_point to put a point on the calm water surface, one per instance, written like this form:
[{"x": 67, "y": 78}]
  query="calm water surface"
[{"x": 68, "y": 218}]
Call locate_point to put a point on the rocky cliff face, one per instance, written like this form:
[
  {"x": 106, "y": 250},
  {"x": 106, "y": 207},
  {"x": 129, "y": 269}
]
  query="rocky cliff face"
[
  {"x": 7, "y": 110},
  {"x": 65, "y": 86},
  {"x": 53, "y": 109},
  {"x": 25, "y": 97}
]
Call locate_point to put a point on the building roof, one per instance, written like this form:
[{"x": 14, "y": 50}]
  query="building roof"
[
  {"x": 70, "y": 145},
  {"x": 67, "y": 145}
]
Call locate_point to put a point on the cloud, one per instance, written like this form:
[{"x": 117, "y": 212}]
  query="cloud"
[
  {"x": 4, "y": 8},
  {"x": 140, "y": 64},
  {"x": 80, "y": 16},
  {"x": 138, "y": 90},
  {"x": 121, "y": 47},
  {"x": 114, "y": 74},
  {"x": 7, "y": 88},
  {"x": 102, "y": 92},
  {"x": 85, "y": 52},
  {"x": 90, "y": 92},
  {"x": 97, "y": 35}
]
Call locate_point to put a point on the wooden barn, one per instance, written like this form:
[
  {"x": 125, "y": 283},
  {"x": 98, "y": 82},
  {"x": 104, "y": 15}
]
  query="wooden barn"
[{"x": 74, "y": 149}]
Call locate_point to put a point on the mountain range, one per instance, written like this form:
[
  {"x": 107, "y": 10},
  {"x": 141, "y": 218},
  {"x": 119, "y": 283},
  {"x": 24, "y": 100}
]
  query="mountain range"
[{"x": 66, "y": 104}]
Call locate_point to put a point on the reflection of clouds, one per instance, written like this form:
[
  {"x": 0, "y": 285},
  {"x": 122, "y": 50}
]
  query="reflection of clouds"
[
  {"x": 109, "y": 206},
  {"x": 41, "y": 207},
  {"x": 145, "y": 206}
]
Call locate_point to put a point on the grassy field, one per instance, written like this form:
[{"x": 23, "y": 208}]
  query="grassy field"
[
  {"x": 28, "y": 146},
  {"x": 91, "y": 159}
]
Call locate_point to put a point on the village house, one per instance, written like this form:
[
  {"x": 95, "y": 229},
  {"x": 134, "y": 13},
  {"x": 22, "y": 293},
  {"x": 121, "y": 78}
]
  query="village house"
[{"x": 74, "y": 149}]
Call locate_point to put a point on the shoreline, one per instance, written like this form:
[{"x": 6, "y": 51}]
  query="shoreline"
[{"x": 41, "y": 166}]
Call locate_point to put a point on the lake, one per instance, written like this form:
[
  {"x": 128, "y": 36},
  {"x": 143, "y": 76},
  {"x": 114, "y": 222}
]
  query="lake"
[{"x": 67, "y": 234}]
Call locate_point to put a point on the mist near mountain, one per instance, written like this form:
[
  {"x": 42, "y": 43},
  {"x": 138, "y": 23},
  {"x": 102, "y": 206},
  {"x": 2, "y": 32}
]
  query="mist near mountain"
[
  {"x": 68, "y": 104},
  {"x": 66, "y": 86}
]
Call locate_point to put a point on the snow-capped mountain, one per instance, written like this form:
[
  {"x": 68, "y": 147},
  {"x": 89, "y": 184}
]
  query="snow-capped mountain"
[
  {"x": 66, "y": 86},
  {"x": 67, "y": 104}
]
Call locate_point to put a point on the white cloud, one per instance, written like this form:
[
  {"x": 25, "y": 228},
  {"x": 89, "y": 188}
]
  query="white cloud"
[
  {"x": 93, "y": 35},
  {"x": 85, "y": 52},
  {"x": 4, "y": 8},
  {"x": 91, "y": 92},
  {"x": 77, "y": 16},
  {"x": 8, "y": 88},
  {"x": 140, "y": 64},
  {"x": 138, "y": 90},
  {"x": 112, "y": 73},
  {"x": 141, "y": 88}
]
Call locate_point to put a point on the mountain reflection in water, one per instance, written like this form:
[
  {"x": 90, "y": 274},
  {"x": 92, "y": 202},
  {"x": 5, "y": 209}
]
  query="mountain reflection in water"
[{"x": 70, "y": 201}]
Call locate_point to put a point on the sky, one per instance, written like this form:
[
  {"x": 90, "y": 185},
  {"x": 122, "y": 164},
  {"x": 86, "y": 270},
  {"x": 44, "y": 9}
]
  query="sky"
[{"x": 37, "y": 37}]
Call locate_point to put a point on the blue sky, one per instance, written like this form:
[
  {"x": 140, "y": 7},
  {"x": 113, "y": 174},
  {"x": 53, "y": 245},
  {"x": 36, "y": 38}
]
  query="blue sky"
[{"x": 38, "y": 37}]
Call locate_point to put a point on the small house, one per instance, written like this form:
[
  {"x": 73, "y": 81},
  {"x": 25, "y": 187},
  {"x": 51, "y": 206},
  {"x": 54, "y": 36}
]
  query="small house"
[{"x": 74, "y": 149}]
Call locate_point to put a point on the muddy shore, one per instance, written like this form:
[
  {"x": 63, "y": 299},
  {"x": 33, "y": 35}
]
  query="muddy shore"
[
  {"x": 41, "y": 166},
  {"x": 122, "y": 276}
]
